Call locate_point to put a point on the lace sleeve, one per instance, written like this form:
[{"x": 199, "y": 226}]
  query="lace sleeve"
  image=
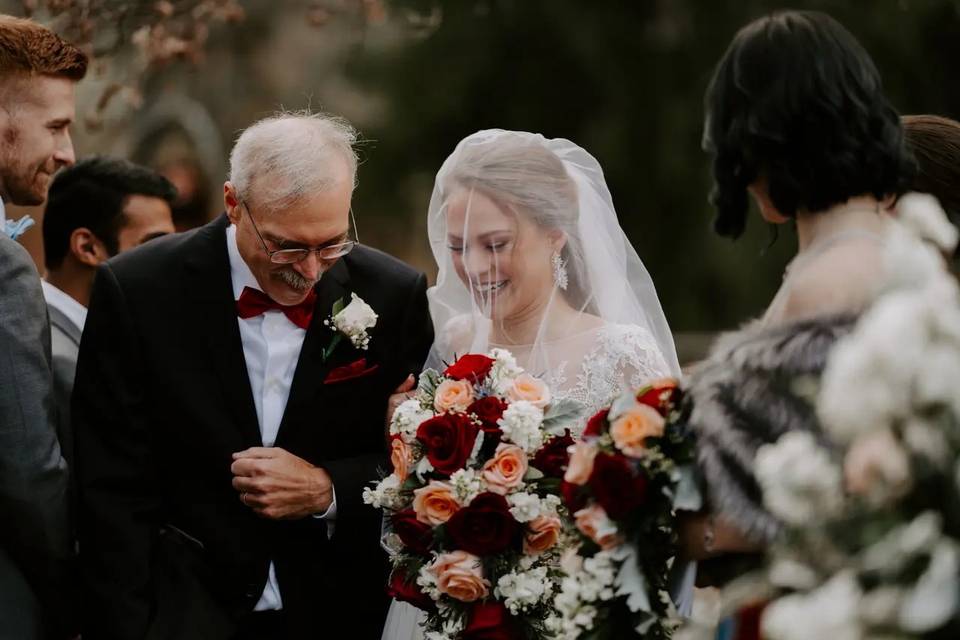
[{"x": 623, "y": 357}]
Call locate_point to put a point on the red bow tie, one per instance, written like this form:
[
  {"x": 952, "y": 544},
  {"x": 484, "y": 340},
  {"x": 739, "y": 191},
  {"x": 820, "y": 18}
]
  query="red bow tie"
[{"x": 253, "y": 302}]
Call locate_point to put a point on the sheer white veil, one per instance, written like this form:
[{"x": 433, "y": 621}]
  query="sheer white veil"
[{"x": 558, "y": 186}]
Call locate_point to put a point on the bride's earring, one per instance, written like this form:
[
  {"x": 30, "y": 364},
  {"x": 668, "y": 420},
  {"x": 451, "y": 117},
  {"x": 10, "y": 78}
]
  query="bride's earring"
[{"x": 559, "y": 271}]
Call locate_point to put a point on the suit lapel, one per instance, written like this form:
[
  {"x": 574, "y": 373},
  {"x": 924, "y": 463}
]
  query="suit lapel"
[
  {"x": 60, "y": 320},
  {"x": 210, "y": 289},
  {"x": 311, "y": 369}
]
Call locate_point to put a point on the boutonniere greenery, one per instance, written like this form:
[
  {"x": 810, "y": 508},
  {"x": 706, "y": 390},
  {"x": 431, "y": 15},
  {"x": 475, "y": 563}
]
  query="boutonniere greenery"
[{"x": 351, "y": 321}]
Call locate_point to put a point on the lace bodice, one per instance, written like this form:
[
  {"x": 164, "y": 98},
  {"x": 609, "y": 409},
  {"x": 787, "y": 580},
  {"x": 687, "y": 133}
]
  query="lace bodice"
[{"x": 595, "y": 366}]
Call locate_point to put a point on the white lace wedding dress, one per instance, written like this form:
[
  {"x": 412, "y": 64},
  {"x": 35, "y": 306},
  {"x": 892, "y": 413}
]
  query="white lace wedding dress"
[{"x": 593, "y": 368}]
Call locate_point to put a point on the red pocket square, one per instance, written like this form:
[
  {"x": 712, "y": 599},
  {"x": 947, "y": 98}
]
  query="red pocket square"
[{"x": 353, "y": 370}]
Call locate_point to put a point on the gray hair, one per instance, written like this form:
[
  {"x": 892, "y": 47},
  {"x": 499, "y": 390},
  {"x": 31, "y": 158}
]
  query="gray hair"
[{"x": 286, "y": 157}]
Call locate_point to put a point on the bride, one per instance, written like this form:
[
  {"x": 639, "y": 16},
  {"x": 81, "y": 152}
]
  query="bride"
[{"x": 532, "y": 259}]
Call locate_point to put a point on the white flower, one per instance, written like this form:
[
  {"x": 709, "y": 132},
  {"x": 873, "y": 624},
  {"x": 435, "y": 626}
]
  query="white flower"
[
  {"x": 522, "y": 591},
  {"x": 524, "y": 507},
  {"x": 876, "y": 466},
  {"x": 407, "y": 419},
  {"x": 923, "y": 215},
  {"x": 800, "y": 483},
  {"x": 587, "y": 584},
  {"x": 504, "y": 370},
  {"x": 829, "y": 612},
  {"x": 521, "y": 424},
  {"x": 427, "y": 581},
  {"x": 385, "y": 495},
  {"x": 354, "y": 320},
  {"x": 932, "y": 602},
  {"x": 467, "y": 485}
]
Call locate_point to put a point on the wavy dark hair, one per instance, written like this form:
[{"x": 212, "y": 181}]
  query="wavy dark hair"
[{"x": 797, "y": 101}]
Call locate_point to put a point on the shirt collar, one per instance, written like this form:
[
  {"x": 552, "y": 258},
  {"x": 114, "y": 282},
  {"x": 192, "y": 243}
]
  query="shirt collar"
[
  {"x": 240, "y": 274},
  {"x": 65, "y": 304}
]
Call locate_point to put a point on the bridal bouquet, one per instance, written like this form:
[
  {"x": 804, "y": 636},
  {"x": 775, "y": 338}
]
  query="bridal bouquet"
[
  {"x": 624, "y": 481},
  {"x": 872, "y": 505},
  {"x": 477, "y": 522}
]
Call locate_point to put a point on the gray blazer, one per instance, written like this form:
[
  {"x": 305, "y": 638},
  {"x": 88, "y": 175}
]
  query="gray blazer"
[
  {"x": 65, "y": 345},
  {"x": 35, "y": 544}
]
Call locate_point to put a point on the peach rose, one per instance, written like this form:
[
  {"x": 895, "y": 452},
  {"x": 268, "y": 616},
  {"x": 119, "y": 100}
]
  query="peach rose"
[
  {"x": 505, "y": 470},
  {"x": 594, "y": 523},
  {"x": 460, "y": 576},
  {"x": 400, "y": 457},
  {"x": 876, "y": 465},
  {"x": 542, "y": 533},
  {"x": 581, "y": 463},
  {"x": 453, "y": 395},
  {"x": 533, "y": 390},
  {"x": 434, "y": 504},
  {"x": 633, "y": 427}
]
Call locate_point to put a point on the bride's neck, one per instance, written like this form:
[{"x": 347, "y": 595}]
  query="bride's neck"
[
  {"x": 523, "y": 328},
  {"x": 864, "y": 213}
]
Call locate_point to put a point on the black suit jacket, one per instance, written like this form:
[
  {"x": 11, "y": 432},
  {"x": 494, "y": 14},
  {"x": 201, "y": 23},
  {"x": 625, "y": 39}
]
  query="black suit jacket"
[{"x": 162, "y": 400}]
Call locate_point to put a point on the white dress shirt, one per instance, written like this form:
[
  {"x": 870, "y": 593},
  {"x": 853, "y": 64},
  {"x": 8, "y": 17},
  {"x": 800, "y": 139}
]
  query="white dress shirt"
[
  {"x": 3, "y": 215},
  {"x": 271, "y": 348},
  {"x": 65, "y": 304}
]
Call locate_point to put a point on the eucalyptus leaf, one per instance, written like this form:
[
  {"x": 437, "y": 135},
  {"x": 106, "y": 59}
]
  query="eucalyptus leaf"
[
  {"x": 621, "y": 405},
  {"x": 428, "y": 382},
  {"x": 686, "y": 496},
  {"x": 339, "y": 306},
  {"x": 560, "y": 414},
  {"x": 631, "y": 583}
]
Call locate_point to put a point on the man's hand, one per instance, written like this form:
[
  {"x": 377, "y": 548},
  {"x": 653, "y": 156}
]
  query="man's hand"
[
  {"x": 277, "y": 484},
  {"x": 402, "y": 393}
]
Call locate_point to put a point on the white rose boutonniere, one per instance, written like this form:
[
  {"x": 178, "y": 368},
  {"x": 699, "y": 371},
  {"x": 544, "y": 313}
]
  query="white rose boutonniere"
[{"x": 351, "y": 320}]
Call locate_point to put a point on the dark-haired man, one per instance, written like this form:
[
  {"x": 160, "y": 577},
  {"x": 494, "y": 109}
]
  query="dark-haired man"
[{"x": 96, "y": 209}]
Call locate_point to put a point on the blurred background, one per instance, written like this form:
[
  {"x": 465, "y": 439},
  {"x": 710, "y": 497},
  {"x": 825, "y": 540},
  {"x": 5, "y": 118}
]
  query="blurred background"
[{"x": 174, "y": 82}]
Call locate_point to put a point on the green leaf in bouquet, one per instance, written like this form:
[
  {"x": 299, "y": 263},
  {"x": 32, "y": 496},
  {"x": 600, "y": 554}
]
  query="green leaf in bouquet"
[
  {"x": 686, "y": 494},
  {"x": 621, "y": 405},
  {"x": 338, "y": 306},
  {"x": 428, "y": 382},
  {"x": 533, "y": 474},
  {"x": 560, "y": 414},
  {"x": 631, "y": 582}
]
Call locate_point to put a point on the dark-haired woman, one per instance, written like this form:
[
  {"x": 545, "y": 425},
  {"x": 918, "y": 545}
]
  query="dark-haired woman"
[{"x": 797, "y": 121}]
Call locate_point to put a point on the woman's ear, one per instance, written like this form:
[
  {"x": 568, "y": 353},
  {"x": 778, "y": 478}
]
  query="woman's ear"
[
  {"x": 557, "y": 239},
  {"x": 87, "y": 248},
  {"x": 762, "y": 197}
]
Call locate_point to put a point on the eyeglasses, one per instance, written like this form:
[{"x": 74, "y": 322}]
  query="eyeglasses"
[{"x": 290, "y": 256}]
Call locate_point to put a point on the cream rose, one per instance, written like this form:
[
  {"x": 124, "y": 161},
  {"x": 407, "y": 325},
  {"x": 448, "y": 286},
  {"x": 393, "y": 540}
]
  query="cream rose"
[
  {"x": 527, "y": 388},
  {"x": 505, "y": 470},
  {"x": 542, "y": 533},
  {"x": 460, "y": 575},
  {"x": 634, "y": 426},
  {"x": 594, "y": 523},
  {"x": 581, "y": 463},
  {"x": 400, "y": 457},
  {"x": 435, "y": 503},
  {"x": 453, "y": 395}
]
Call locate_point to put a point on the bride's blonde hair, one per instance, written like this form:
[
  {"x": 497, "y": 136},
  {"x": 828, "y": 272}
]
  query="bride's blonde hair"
[{"x": 524, "y": 177}]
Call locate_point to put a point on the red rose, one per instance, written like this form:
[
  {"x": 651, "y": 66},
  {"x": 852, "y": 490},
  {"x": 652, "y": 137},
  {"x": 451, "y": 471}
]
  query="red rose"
[
  {"x": 471, "y": 367},
  {"x": 662, "y": 395},
  {"x": 574, "y": 496},
  {"x": 485, "y": 526},
  {"x": 552, "y": 459},
  {"x": 415, "y": 535},
  {"x": 490, "y": 620},
  {"x": 488, "y": 410},
  {"x": 448, "y": 439},
  {"x": 597, "y": 424},
  {"x": 404, "y": 590},
  {"x": 615, "y": 486}
]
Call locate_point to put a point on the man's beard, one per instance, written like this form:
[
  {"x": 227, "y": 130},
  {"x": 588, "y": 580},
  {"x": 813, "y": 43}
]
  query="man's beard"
[
  {"x": 19, "y": 184},
  {"x": 294, "y": 280}
]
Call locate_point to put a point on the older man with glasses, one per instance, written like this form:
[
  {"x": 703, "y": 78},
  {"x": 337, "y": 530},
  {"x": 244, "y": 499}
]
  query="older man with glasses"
[{"x": 227, "y": 422}]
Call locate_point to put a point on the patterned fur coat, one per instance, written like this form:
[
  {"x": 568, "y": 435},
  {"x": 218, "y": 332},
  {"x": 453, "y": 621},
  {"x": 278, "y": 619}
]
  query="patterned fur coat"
[{"x": 754, "y": 387}]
